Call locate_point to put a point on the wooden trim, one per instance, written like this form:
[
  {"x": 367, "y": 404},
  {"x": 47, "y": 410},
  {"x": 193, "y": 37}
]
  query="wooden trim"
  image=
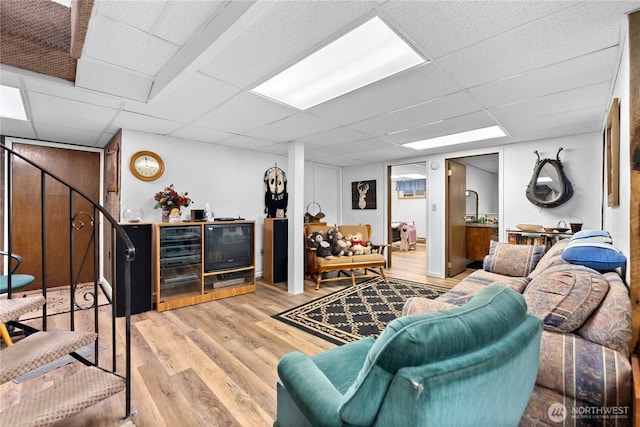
[
  {"x": 612, "y": 138},
  {"x": 634, "y": 154},
  {"x": 635, "y": 403}
]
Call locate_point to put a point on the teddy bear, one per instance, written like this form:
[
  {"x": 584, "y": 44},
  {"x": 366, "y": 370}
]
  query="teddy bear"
[
  {"x": 357, "y": 244},
  {"x": 337, "y": 249},
  {"x": 322, "y": 247},
  {"x": 344, "y": 243}
]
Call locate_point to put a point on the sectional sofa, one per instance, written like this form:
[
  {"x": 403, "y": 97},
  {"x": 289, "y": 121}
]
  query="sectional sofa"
[{"x": 584, "y": 373}]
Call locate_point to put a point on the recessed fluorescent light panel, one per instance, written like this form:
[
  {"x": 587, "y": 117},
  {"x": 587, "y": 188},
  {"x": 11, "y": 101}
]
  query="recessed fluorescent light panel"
[
  {"x": 458, "y": 138},
  {"x": 11, "y": 105},
  {"x": 365, "y": 55}
]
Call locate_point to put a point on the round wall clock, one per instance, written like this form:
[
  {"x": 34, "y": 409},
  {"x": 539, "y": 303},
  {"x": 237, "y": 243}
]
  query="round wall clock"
[{"x": 146, "y": 165}]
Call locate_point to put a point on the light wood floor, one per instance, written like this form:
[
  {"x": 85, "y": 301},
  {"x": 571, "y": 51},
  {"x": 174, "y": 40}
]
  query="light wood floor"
[{"x": 212, "y": 364}]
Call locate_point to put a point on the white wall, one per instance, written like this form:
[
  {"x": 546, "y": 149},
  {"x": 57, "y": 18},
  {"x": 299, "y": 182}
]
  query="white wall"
[
  {"x": 616, "y": 219},
  {"x": 230, "y": 180},
  {"x": 322, "y": 185},
  {"x": 375, "y": 217}
]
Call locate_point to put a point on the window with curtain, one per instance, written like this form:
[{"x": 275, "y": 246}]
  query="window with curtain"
[{"x": 412, "y": 189}]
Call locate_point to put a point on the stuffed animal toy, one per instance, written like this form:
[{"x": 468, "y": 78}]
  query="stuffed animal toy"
[
  {"x": 357, "y": 244},
  {"x": 404, "y": 237},
  {"x": 323, "y": 249},
  {"x": 345, "y": 243},
  {"x": 332, "y": 237},
  {"x": 368, "y": 248}
]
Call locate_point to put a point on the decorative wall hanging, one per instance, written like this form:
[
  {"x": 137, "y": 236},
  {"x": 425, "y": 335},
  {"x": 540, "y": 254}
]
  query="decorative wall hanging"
[
  {"x": 276, "y": 196},
  {"x": 549, "y": 186},
  {"x": 363, "y": 195}
]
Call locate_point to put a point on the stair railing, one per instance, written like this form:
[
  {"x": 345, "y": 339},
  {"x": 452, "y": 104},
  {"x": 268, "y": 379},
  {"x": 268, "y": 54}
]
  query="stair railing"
[{"x": 78, "y": 221}]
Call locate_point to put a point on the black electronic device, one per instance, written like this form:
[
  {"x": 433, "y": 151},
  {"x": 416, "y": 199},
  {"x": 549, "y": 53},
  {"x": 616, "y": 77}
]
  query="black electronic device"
[{"x": 228, "y": 246}]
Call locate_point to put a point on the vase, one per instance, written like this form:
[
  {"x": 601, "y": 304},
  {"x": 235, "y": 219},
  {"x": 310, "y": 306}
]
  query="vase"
[{"x": 166, "y": 211}]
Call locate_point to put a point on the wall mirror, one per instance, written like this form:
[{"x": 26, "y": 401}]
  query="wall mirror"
[
  {"x": 549, "y": 186},
  {"x": 472, "y": 204}
]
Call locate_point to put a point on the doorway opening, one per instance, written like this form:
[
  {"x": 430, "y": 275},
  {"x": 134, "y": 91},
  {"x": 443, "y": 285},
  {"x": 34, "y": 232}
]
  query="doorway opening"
[
  {"x": 407, "y": 218},
  {"x": 472, "y": 210}
]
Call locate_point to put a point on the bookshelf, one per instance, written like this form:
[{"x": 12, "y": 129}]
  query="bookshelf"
[{"x": 542, "y": 238}]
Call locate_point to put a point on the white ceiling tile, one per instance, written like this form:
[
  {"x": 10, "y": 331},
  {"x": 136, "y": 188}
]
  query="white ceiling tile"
[
  {"x": 393, "y": 93},
  {"x": 419, "y": 115},
  {"x": 244, "y": 112},
  {"x": 292, "y": 127},
  {"x": 182, "y": 19},
  {"x": 576, "y": 99},
  {"x": 104, "y": 139},
  {"x": 444, "y": 27},
  {"x": 8, "y": 77},
  {"x": 100, "y": 77},
  {"x": 244, "y": 142},
  {"x": 69, "y": 91},
  {"x": 47, "y": 109},
  {"x": 334, "y": 136},
  {"x": 593, "y": 68},
  {"x": 139, "y": 14},
  {"x": 464, "y": 123},
  {"x": 67, "y": 135},
  {"x": 11, "y": 127},
  {"x": 528, "y": 131},
  {"x": 564, "y": 35},
  {"x": 286, "y": 31},
  {"x": 140, "y": 122},
  {"x": 188, "y": 101},
  {"x": 127, "y": 47},
  {"x": 195, "y": 133},
  {"x": 579, "y": 121}
]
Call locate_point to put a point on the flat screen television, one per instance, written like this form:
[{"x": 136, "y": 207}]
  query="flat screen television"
[{"x": 228, "y": 246}]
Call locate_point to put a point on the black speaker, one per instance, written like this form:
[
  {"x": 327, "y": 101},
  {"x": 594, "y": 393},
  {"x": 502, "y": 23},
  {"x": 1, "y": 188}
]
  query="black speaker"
[
  {"x": 276, "y": 250},
  {"x": 140, "y": 235}
]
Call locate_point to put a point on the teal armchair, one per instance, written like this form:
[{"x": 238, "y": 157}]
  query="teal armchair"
[{"x": 472, "y": 365}]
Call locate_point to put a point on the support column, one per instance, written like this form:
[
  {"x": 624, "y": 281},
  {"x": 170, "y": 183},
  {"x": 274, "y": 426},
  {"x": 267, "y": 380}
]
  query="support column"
[{"x": 295, "y": 215}]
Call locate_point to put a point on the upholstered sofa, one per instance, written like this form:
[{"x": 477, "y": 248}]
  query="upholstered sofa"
[
  {"x": 584, "y": 375},
  {"x": 369, "y": 265}
]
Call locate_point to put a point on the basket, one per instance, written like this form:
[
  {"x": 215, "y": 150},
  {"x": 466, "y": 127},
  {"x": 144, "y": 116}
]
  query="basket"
[{"x": 309, "y": 217}]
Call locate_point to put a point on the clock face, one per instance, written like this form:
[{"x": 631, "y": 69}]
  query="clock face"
[{"x": 146, "y": 165}]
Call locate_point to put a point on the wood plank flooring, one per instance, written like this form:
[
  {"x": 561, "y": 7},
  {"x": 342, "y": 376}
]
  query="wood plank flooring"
[{"x": 212, "y": 364}]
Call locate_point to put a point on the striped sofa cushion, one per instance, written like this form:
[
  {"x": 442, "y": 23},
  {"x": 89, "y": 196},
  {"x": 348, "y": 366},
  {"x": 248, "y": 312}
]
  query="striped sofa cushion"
[{"x": 512, "y": 260}]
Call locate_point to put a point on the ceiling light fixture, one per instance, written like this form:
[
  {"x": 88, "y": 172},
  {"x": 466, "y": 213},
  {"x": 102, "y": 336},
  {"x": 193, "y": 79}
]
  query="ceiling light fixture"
[
  {"x": 458, "y": 138},
  {"x": 365, "y": 55},
  {"x": 11, "y": 103}
]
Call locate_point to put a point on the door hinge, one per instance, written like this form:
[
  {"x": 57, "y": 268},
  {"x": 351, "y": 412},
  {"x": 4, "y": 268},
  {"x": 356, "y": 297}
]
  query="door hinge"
[
  {"x": 449, "y": 172},
  {"x": 449, "y": 265}
]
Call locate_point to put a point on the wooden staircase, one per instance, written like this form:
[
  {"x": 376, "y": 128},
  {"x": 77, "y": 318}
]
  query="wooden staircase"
[{"x": 88, "y": 386}]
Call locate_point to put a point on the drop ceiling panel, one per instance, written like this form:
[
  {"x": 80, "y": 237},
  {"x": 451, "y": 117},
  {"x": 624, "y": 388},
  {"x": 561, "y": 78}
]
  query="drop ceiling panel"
[
  {"x": 67, "y": 135},
  {"x": 127, "y": 47},
  {"x": 196, "y": 133},
  {"x": 285, "y": 32},
  {"x": 47, "y": 109},
  {"x": 244, "y": 142},
  {"x": 579, "y": 121},
  {"x": 530, "y": 132},
  {"x": 101, "y": 77},
  {"x": 11, "y": 127},
  {"x": 393, "y": 93},
  {"x": 576, "y": 99},
  {"x": 181, "y": 19},
  {"x": 565, "y": 35},
  {"x": 334, "y": 136},
  {"x": 292, "y": 127},
  {"x": 554, "y": 78},
  {"x": 244, "y": 112},
  {"x": 135, "y": 121},
  {"x": 191, "y": 99},
  {"x": 69, "y": 91},
  {"x": 419, "y": 115},
  {"x": 137, "y": 14},
  {"x": 464, "y": 123},
  {"x": 445, "y": 27}
]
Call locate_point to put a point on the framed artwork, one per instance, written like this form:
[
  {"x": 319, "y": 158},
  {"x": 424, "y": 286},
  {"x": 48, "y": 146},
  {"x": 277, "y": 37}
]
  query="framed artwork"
[
  {"x": 363, "y": 195},
  {"x": 111, "y": 170},
  {"x": 612, "y": 147}
]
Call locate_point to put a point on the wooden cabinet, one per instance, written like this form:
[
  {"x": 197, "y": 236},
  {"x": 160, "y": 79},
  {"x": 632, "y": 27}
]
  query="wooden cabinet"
[
  {"x": 517, "y": 237},
  {"x": 479, "y": 238},
  {"x": 276, "y": 250},
  {"x": 180, "y": 277}
]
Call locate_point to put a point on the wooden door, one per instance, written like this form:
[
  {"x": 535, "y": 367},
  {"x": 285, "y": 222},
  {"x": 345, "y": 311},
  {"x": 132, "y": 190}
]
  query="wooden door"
[
  {"x": 456, "y": 242},
  {"x": 80, "y": 169}
]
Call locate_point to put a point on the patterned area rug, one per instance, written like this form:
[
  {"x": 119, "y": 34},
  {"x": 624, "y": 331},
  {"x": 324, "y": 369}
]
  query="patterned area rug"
[{"x": 357, "y": 311}]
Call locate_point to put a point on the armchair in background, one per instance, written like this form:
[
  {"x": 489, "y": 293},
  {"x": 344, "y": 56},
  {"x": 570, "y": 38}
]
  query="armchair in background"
[{"x": 17, "y": 282}]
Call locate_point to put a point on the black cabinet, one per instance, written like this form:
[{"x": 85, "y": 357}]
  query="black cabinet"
[
  {"x": 140, "y": 235},
  {"x": 276, "y": 250}
]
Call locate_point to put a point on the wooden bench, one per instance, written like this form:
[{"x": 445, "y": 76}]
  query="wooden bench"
[{"x": 371, "y": 265}]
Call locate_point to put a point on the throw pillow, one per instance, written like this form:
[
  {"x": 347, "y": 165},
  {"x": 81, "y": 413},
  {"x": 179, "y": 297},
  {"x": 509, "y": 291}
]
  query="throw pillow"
[
  {"x": 512, "y": 260},
  {"x": 585, "y": 234},
  {"x": 596, "y": 255},
  {"x": 565, "y": 296}
]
